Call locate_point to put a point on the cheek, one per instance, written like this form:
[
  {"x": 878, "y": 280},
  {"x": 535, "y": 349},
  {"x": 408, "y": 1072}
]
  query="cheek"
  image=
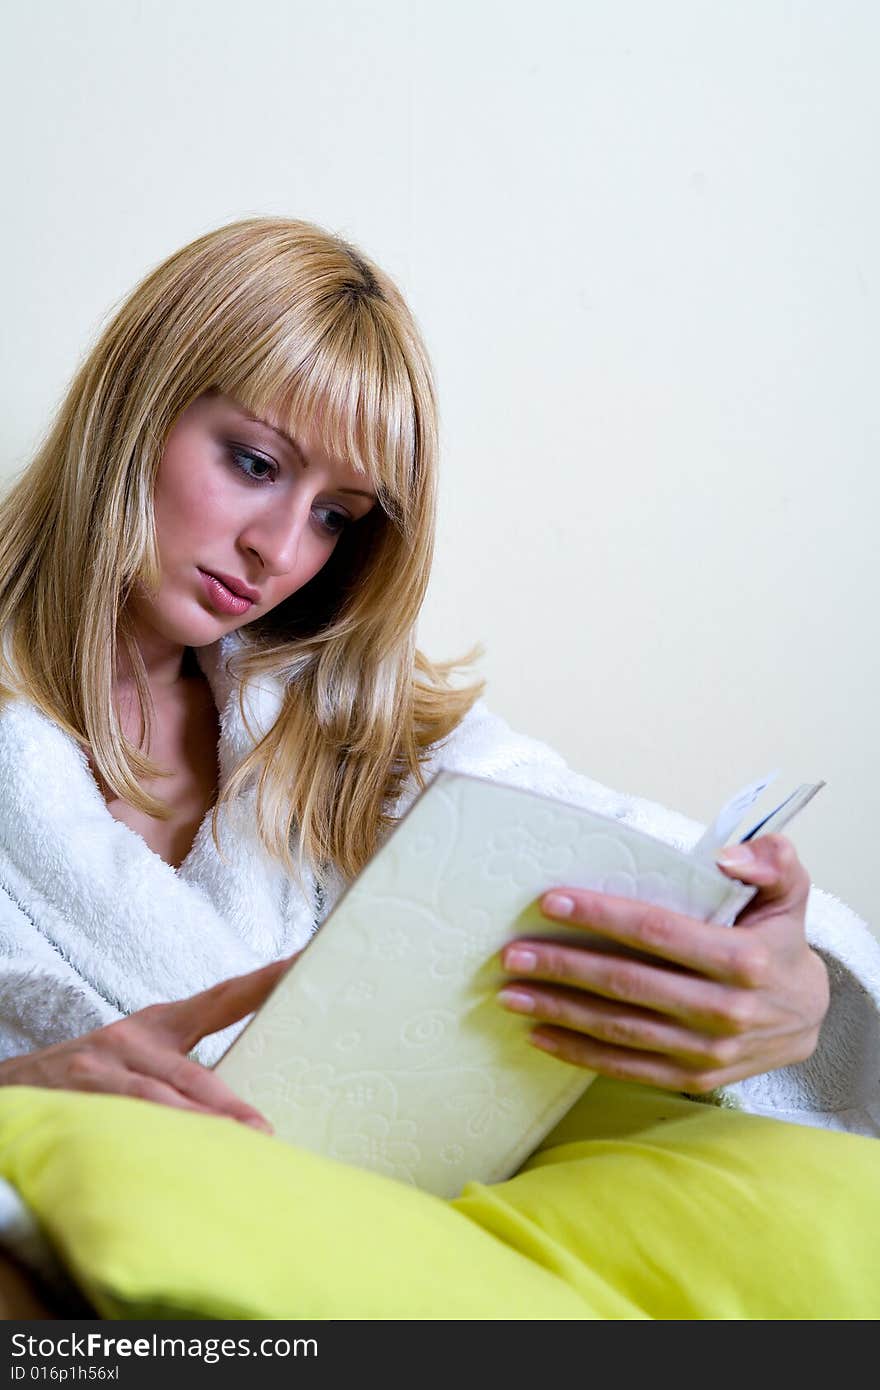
[{"x": 189, "y": 508}]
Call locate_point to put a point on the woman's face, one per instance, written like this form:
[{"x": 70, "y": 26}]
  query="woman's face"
[{"x": 245, "y": 516}]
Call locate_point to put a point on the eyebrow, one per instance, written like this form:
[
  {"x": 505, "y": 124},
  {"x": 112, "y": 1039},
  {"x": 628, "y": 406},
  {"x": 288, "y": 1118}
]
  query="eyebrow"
[{"x": 288, "y": 439}]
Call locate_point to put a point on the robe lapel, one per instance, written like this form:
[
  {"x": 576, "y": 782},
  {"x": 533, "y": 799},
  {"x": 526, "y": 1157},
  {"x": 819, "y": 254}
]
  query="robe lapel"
[{"x": 136, "y": 929}]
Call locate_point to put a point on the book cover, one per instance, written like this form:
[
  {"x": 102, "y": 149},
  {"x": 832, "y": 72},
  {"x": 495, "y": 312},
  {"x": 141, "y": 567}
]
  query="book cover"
[{"x": 383, "y": 1045}]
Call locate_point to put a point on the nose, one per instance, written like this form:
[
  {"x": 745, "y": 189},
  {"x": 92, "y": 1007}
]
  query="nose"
[{"x": 275, "y": 535}]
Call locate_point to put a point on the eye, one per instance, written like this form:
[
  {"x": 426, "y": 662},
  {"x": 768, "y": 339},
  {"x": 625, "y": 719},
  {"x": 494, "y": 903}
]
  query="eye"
[
  {"x": 247, "y": 462},
  {"x": 331, "y": 520}
]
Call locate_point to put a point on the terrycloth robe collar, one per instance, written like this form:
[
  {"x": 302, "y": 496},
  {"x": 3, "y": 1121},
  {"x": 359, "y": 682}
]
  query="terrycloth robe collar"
[{"x": 129, "y": 924}]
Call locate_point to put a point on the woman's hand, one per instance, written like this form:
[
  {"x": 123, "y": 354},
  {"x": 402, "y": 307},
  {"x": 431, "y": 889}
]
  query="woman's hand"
[
  {"x": 144, "y": 1055},
  {"x": 716, "y": 1005}
]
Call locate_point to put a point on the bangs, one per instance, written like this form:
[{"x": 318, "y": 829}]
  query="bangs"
[{"x": 342, "y": 368}]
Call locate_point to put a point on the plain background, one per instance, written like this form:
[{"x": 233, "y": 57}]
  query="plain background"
[{"x": 641, "y": 240}]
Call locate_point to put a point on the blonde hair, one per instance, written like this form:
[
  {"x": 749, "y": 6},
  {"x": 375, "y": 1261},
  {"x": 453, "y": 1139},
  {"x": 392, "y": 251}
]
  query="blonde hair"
[{"x": 290, "y": 321}]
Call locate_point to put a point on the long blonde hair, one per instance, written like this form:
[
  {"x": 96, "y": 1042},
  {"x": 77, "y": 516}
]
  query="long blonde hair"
[{"x": 290, "y": 321}]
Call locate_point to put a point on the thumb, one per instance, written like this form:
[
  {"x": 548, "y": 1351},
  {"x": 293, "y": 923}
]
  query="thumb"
[
  {"x": 771, "y": 863},
  {"x": 189, "y": 1020}
]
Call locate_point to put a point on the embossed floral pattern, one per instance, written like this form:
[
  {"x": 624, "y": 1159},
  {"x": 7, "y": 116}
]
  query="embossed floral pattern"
[
  {"x": 361, "y": 1094},
  {"x": 455, "y": 951},
  {"x": 428, "y": 1028},
  {"x": 391, "y": 944},
  {"x": 452, "y": 1153},
  {"x": 302, "y": 1084},
  {"x": 360, "y": 992},
  {"x": 382, "y": 1144},
  {"x": 482, "y": 1104},
  {"x": 514, "y": 851},
  {"x": 649, "y": 886}
]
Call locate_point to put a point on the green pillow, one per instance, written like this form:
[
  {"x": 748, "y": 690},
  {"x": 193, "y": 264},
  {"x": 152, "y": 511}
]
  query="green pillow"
[
  {"x": 159, "y": 1213},
  {"x": 640, "y": 1204}
]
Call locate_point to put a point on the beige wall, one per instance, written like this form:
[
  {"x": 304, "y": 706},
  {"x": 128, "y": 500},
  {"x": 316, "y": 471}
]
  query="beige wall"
[{"x": 642, "y": 241}]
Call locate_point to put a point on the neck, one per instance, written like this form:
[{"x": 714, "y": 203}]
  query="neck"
[{"x": 166, "y": 665}]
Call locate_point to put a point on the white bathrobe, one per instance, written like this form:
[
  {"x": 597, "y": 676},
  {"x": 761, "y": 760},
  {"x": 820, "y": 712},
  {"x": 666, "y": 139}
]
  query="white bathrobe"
[{"x": 94, "y": 925}]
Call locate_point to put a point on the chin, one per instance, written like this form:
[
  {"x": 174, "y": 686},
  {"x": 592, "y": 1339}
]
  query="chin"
[{"x": 186, "y": 624}]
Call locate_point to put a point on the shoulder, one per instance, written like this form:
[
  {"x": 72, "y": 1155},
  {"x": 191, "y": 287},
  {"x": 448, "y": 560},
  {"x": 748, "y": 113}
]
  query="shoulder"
[
  {"x": 485, "y": 745},
  {"x": 32, "y": 745}
]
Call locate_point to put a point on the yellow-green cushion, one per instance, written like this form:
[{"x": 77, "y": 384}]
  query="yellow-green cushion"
[{"x": 639, "y": 1205}]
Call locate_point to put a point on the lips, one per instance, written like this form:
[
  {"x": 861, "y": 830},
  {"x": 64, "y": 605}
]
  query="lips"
[
  {"x": 235, "y": 586},
  {"x": 223, "y": 598}
]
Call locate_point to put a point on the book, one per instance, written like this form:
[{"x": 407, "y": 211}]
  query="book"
[{"x": 384, "y": 1046}]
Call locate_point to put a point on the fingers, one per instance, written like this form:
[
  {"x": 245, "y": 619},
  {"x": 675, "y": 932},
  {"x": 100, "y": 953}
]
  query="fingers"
[
  {"x": 704, "y": 1004},
  {"x": 657, "y": 931},
  {"x": 143, "y": 1055},
  {"x": 199, "y": 1089},
  {"x": 186, "y": 1021},
  {"x": 128, "y": 1059},
  {"x": 151, "y": 1045},
  {"x": 607, "y": 1021},
  {"x": 158, "y": 1076},
  {"x": 700, "y": 1005},
  {"x": 141, "y": 1087},
  {"x": 732, "y": 957},
  {"x": 646, "y": 1068}
]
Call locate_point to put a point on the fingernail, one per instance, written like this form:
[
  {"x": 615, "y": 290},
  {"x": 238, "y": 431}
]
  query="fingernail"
[
  {"x": 558, "y": 905},
  {"x": 257, "y": 1122},
  {"x": 517, "y": 1000},
  {"x": 546, "y": 1044},
  {"x": 518, "y": 958},
  {"x": 735, "y": 856}
]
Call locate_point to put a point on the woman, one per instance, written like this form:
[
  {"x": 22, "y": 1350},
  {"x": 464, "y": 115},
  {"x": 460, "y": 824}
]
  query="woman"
[{"x": 214, "y": 711}]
